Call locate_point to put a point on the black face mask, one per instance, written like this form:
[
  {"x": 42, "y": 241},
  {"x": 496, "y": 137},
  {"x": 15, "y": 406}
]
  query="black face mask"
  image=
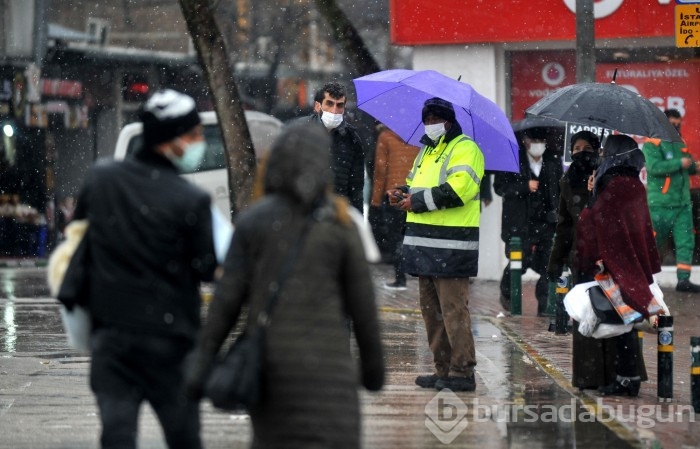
[{"x": 586, "y": 160}]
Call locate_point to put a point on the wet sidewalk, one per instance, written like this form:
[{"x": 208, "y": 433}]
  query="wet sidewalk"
[
  {"x": 523, "y": 396},
  {"x": 641, "y": 421}
]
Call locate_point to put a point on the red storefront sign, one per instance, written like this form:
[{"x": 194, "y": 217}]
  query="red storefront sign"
[
  {"x": 425, "y": 22},
  {"x": 667, "y": 85}
]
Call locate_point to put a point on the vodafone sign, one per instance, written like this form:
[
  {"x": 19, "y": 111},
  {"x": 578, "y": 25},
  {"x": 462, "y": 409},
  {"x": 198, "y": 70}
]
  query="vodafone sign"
[
  {"x": 601, "y": 8},
  {"x": 423, "y": 22}
]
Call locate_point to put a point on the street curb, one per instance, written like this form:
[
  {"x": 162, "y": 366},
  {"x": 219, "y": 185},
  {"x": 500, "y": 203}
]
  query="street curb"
[{"x": 627, "y": 433}]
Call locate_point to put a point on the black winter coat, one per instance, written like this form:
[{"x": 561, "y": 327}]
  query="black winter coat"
[
  {"x": 572, "y": 200},
  {"x": 347, "y": 161},
  {"x": 519, "y": 209},
  {"x": 151, "y": 244}
]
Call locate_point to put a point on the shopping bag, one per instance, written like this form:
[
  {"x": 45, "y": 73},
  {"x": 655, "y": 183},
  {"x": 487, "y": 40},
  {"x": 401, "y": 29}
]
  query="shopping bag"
[
  {"x": 612, "y": 292},
  {"x": 68, "y": 278}
]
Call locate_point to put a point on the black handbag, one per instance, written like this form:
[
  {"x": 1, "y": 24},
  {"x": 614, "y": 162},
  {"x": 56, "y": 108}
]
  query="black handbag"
[
  {"x": 237, "y": 380},
  {"x": 602, "y": 306}
]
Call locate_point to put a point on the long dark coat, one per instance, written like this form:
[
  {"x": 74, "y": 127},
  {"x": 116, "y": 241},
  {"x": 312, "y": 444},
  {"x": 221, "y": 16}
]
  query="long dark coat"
[
  {"x": 311, "y": 379},
  {"x": 616, "y": 229},
  {"x": 593, "y": 361},
  {"x": 517, "y": 207}
]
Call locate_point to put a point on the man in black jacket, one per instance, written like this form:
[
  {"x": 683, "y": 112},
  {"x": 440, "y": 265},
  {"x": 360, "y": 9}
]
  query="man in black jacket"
[
  {"x": 347, "y": 156},
  {"x": 151, "y": 244},
  {"x": 530, "y": 203}
]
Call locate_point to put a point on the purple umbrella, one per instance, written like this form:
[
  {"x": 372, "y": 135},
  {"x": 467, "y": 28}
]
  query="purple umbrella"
[{"x": 396, "y": 97}]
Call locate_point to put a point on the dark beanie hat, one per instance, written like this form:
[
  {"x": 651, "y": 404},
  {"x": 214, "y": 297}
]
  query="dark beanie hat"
[
  {"x": 167, "y": 115},
  {"x": 439, "y": 108}
]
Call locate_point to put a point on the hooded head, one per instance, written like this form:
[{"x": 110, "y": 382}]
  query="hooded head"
[
  {"x": 619, "y": 150},
  {"x": 439, "y": 108},
  {"x": 166, "y": 115},
  {"x": 298, "y": 164}
]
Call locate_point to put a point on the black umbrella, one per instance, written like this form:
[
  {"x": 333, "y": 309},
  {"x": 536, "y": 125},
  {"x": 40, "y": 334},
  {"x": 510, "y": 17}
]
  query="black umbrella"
[
  {"x": 550, "y": 129},
  {"x": 607, "y": 105},
  {"x": 537, "y": 122}
]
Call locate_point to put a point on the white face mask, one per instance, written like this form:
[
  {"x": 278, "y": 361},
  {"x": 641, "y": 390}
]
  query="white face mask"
[
  {"x": 434, "y": 132},
  {"x": 331, "y": 120},
  {"x": 536, "y": 149}
]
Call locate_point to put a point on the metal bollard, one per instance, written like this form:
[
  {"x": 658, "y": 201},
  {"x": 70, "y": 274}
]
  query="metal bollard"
[
  {"x": 695, "y": 373},
  {"x": 516, "y": 283},
  {"x": 551, "y": 300},
  {"x": 561, "y": 318},
  {"x": 665, "y": 359}
]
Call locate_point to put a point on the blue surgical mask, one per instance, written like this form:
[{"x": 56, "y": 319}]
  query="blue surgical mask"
[{"x": 193, "y": 154}]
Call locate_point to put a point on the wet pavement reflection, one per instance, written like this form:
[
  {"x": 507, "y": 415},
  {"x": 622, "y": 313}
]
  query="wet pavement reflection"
[{"x": 45, "y": 400}]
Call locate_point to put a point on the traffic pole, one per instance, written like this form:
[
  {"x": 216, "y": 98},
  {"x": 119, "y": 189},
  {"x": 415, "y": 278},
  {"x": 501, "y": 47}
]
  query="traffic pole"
[
  {"x": 516, "y": 268},
  {"x": 695, "y": 373},
  {"x": 561, "y": 318},
  {"x": 665, "y": 358}
]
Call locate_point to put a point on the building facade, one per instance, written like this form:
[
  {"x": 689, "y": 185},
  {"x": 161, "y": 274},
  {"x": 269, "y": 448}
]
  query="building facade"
[{"x": 514, "y": 52}]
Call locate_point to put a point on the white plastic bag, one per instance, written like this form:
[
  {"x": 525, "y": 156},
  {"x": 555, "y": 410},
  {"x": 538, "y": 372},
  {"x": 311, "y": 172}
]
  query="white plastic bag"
[
  {"x": 650, "y": 325},
  {"x": 368, "y": 244},
  {"x": 578, "y": 306},
  {"x": 611, "y": 330},
  {"x": 78, "y": 325},
  {"x": 222, "y": 232}
]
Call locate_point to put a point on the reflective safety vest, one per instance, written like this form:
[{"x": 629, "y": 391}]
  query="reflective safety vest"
[{"x": 442, "y": 231}]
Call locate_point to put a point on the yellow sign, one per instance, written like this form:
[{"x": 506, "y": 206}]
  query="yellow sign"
[{"x": 687, "y": 25}]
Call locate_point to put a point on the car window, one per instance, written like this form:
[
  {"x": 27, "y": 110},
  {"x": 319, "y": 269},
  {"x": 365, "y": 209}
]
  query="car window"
[{"x": 214, "y": 158}]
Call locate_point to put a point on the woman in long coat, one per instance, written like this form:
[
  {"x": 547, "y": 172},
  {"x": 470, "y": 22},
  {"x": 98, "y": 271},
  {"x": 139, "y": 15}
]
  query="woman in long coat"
[
  {"x": 593, "y": 360},
  {"x": 616, "y": 229},
  {"x": 311, "y": 379}
]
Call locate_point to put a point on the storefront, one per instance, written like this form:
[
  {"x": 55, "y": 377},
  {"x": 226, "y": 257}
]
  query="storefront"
[{"x": 515, "y": 52}]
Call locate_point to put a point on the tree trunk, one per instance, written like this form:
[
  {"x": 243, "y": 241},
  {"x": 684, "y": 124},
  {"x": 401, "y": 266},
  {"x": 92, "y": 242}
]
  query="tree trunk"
[
  {"x": 213, "y": 58},
  {"x": 347, "y": 36}
]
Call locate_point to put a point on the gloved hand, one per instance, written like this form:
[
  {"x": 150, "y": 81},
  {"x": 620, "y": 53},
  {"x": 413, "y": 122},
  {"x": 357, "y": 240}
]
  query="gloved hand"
[
  {"x": 197, "y": 367},
  {"x": 373, "y": 376}
]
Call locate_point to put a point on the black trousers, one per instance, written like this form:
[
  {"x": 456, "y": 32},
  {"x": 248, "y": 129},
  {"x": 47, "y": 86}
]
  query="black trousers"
[
  {"x": 628, "y": 354},
  {"x": 388, "y": 224},
  {"x": 128, "y": 368}
]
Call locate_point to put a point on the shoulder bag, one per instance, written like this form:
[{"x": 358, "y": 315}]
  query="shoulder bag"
[{"x": 237, "y": 380}]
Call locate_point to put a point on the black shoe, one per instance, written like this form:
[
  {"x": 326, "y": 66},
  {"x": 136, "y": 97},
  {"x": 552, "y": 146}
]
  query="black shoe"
[
  {"x": 396, "y": 285},
  {"x": 622, "y": 386},
  {"x": 684, "y": 285},
  {"x": 505, "y": 302},
  {"x": 428, "y": 381},
  {"x": 455, "y": 383}
]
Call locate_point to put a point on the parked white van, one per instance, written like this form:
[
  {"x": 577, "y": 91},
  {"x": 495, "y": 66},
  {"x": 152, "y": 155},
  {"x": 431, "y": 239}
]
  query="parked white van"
[{"x": 211, "y": 174}]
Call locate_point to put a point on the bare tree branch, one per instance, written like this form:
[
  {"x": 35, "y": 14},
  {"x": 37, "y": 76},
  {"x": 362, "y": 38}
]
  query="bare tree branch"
[{"x": 347, "y": 36}]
